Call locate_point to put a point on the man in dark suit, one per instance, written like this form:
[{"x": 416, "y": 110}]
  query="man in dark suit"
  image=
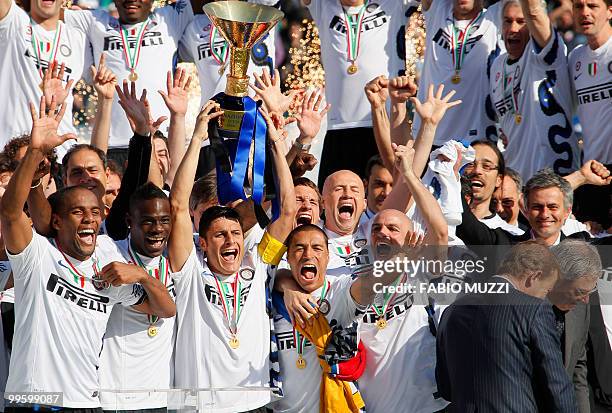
[
  {"x": 599, "y": 353},
  {"x": 501, "y": 352},
  {"x": 580, "y": 268}
]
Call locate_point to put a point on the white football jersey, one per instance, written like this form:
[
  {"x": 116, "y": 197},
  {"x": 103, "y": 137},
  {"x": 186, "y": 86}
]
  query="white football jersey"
[
  {"x": 157, "y": 55},
  {"x": 349, "y": 253},
  {"x": 401, "y": 357},
  {"x": 480, "y": 48},
  {"x": 591, "y": 76},
  {"x": 22, "y": 69},
  {"x": 60, "y": 320},
  {"x": 301, "y": 387},
  {"x": 131, "y": 357},
  {"x": 5, "y": 355},
  {"x": 213, "y": 64},
  {"x": 380, "y": 53},
  {"x": 537, "y": 88},
  {"x": 204, "y": 357},
  {"x": 494, "y": 221}
]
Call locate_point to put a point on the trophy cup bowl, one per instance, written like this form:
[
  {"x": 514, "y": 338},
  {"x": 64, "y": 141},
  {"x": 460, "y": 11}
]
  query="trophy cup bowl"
[{"x": 242, "y": 25}]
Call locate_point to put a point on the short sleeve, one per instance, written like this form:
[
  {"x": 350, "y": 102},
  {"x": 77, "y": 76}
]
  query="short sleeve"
[
  {"x": 132, "y": 294},
  {"x": 14, "y": 20},
  {"x": 178, "y": 15},
  {"x": 29, "y": 261},
  {"x": 184, "y": 48},
  {"x": 315, "y": 7},
  {"x": 554, "y": 54},
  {"x": 189, "y": 268},
  {"x": 348, "y": 309},
  {"x": 81, "y": 20}
]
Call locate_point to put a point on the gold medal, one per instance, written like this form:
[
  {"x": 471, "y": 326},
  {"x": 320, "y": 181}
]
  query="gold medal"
[
  {"x": 300, "y": 362},
  {"x": 352, "y": 69},
  {"x": 456, "y": 78},
  {"x": 152, "y": 331},
  {"x": 133, "y": 76},
  {"x": 381, "y": 323},
  {"x": 518, "y": 119},
  {"x": 234, "y": 343}
]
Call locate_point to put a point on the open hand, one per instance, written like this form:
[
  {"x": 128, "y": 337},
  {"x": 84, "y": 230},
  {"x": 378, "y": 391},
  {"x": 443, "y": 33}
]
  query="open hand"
[
  {"x": 434, "y": 108},
  {"x": 52, "y": 84},
  {"x": 44, "y": 135},
  {"x": 177, "y": 94}
]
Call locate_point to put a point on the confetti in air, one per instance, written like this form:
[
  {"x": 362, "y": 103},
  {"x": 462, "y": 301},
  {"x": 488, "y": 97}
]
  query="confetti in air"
[
  {"x": 415, "y": 43},
  {"x": 305, "y": 69}
]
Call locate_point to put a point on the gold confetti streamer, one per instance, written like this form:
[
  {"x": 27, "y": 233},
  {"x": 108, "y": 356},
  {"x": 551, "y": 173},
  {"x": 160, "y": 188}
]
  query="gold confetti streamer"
[{"x": 305, "y": 69}]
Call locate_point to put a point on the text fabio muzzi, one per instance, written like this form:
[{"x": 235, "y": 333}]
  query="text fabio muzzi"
[{"x": 443, "y": 288}]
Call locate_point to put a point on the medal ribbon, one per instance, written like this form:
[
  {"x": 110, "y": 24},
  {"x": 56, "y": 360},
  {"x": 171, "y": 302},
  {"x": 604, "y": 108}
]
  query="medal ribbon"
[
  {"x": 514, "y": 96},
  {"x": 299, "y": 339},
  {"x": 161, "y": 275},
  {"x": 132, "y": 58},
  {"x": 38, "y": 49},
  {"x": 458, "y": 45},
  {"x": 237, "y": 308},
  {"x": 78, "y": 277},
  {"x": 387, "y": 299},
  {"x": 220, "y": 58},
  {"x": 353, "y": 32}
]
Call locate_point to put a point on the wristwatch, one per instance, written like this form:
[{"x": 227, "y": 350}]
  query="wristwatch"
[{"x": 301, "y": 146}]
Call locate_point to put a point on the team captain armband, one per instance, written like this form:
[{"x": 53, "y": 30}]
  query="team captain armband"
[{"x": 270, "y": 249}]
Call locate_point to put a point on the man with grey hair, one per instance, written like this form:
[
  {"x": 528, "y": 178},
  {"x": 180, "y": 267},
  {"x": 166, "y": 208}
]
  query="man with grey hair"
[
  {"x": 531, "y": 93},
  {"x": 580, "y": 268},
  {"x": 548, "y": 203}
]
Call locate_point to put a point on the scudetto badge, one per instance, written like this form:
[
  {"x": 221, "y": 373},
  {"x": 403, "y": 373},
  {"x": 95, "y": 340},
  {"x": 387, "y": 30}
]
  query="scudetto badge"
[
  {"x": 360, "y": 243},
  {"x": 247, "y": 274}
]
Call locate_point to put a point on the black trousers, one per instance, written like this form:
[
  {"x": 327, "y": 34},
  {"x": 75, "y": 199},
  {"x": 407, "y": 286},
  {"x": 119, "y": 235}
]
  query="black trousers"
[{"x": 346, "y": 149}]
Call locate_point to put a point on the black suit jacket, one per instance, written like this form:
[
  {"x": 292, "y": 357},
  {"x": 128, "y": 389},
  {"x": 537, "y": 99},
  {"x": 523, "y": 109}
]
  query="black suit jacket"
[
  {"x": 574, "y": 352},
  {"x": 501, "y": 353},
  {"x": 599, "y": 356}
]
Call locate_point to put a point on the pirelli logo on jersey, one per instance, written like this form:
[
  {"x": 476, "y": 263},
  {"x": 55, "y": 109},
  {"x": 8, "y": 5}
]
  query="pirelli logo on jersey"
[
  {"x": 83, "y": 299},
  {"x": 442, "y": 39},
  {"x": 404, "y": 302},
  {"x": 113, "y": 42},
  {"x": 375, "y": 18},
  {"x": 594, "y": 93},
  {"x": 204, "y": 51},
  {"x": 286, "y": 341},
  {"x": 213, "y": 297},
  {"x": 504, "y": 106}
]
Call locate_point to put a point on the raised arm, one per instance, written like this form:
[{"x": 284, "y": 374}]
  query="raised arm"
[
  {"x": 281, "y": 227},
  {"x": 309, "y": 119},
  {"x": 437, "y": 228},
  {"x": 538, "y": 21},
  {"x": 591, "y": 173},
  {"x": 180, "y": 242},
  {"x": 105, "y": 82},
  {"x": 176, "y": 99},
  {"x": 377, "y": 93},
  {"x": 139, "y": 153},
  {"x": 432, "y": 112},
  {"x": 16, "y": 229},
  {"x": 401, "y": 89}
]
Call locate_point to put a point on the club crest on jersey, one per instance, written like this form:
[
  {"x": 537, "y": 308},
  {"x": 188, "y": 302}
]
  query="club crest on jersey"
[
  {"x": 65, "y": 50},
  {"x": 246, "y": 274},
  {"x": 99, "y": 284},
  {"x": 360, "y": 243},
  {"x": 324, "y": 307},
  {"x": 610, "y": 67}
]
